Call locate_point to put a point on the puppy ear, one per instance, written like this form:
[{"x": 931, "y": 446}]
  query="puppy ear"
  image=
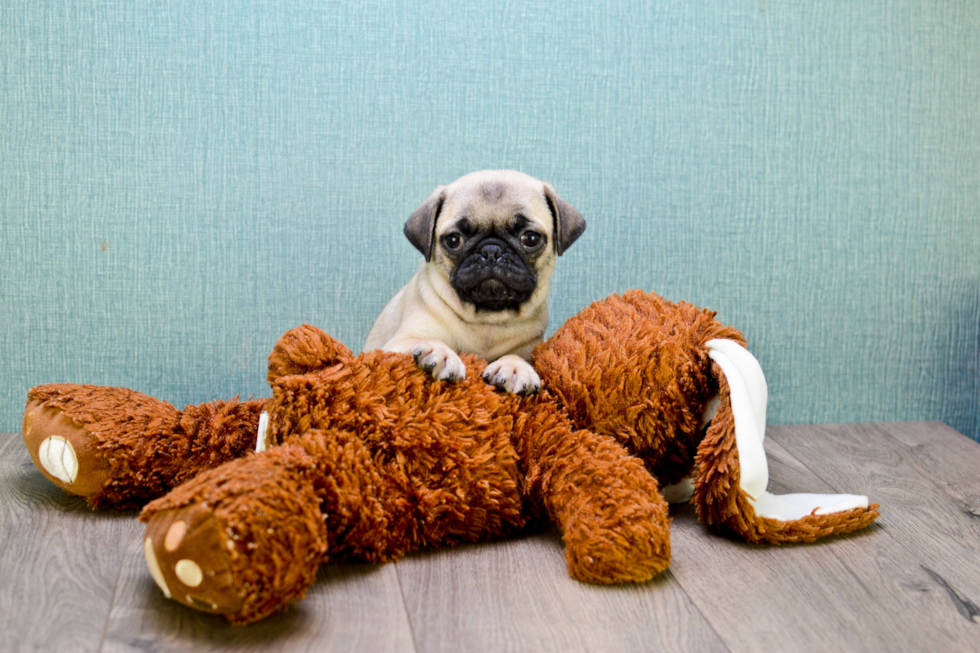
[
  {"x": 421, "y": 226},
  {"x": 569, "y": 223}
]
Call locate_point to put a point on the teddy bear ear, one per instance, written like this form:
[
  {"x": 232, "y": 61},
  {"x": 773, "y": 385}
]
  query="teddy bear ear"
[
  {"x": 305, "y": 349},
  {"x": 733, "y": 443}
]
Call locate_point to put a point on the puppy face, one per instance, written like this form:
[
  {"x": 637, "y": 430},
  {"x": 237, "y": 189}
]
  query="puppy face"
[{"x": 495, "y": 236}]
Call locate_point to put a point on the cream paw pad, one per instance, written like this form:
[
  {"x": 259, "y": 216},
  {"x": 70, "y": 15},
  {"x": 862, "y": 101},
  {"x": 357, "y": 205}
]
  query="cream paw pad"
[{"x": 65, "y": 452}]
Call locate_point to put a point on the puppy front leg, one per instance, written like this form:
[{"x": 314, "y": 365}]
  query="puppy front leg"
[
  {"x": 512, "y": 374},
  {"x": 433, "y": 356}
]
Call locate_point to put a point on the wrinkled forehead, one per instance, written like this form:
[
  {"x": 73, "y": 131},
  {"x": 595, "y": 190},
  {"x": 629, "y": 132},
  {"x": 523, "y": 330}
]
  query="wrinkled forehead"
[{"x": 489, "y": 199}]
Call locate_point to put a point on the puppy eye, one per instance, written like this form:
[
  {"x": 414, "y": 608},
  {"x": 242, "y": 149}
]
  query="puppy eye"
[
  {"x": 531, "y": 239},
  {"x": 453, "y": 241}
]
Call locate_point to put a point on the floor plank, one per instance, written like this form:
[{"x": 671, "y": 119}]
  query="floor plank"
[
  {"x": 71, "y": 579},
  {"x": 517, "y": 596},
  {"x": 862, "y": 592},
  {"x": 938, "y": 434},
  {"x": 349, "y": 608},
  {"x": 917, "y": 512},
  {"x": 947, "y": 456},
  {"x": 59, "y": 560},
  {"x": 919, "y": 508}
]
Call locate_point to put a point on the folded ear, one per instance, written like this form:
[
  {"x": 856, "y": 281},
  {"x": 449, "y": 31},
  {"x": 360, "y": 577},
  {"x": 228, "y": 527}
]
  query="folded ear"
[
  {"x": 733, "y": 472},
  {"x": 569, "y": 223},
  {"x": 421, "y": 226}
]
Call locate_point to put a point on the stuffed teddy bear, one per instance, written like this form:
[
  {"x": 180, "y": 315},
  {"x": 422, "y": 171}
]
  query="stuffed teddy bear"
[{"x": 367, "y": 458}]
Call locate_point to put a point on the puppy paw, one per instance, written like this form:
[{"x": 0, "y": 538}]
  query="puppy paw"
[
  {"x": 438, "y": 360},
  {"x": 512, "y": 374}
]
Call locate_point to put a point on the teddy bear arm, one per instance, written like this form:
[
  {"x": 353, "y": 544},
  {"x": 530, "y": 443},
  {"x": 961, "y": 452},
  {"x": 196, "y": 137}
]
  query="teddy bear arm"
[
  {"x": 609, "y": 508},
  {"x": 119, "y": 448}
]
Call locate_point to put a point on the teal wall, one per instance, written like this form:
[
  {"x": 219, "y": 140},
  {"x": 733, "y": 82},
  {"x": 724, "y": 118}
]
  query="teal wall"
[{"x": 182, "y": 181}]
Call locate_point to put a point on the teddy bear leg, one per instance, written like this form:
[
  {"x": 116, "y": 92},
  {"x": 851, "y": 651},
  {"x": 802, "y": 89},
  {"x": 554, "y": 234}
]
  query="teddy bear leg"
[
  {"x": 733, "y": 472},
  {"x": 245, "y": 539},
  {"x": 382, "y": 499},
  {"x": 609, "y": 508},
  {"x": 119, "y": 448},
  {"x": 65, "y": 427},
  {"x": 242, "y": 540}
]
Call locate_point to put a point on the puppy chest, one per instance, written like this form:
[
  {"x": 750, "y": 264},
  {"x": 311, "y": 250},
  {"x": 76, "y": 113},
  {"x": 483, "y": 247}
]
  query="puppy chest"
[{"x": 491, "y": 341}]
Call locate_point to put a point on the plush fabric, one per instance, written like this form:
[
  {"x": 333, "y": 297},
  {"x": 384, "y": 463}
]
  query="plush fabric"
[{"x": 375, "y": 459}]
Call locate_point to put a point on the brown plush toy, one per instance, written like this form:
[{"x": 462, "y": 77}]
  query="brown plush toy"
[{"x": 373, "y": 459}]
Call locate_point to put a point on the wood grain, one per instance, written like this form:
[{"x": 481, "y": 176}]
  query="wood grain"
[
  {"x": 946, "y": 456},
  {"x": 862, "y": 592},
  {"x": 349, "y": 608},
  {"x": 925, "y": 492},
  {"x": 59, "y": 560},
  {"x": 517, "y": 596},
  {"x": 72, "y": 579}
]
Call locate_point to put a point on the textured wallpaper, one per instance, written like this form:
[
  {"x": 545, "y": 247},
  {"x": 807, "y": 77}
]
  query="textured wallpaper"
[{"x": 181, "y": 182}]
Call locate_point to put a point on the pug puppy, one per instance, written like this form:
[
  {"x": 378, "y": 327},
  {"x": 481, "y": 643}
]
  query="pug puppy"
[{"x": 490, "y": 241}]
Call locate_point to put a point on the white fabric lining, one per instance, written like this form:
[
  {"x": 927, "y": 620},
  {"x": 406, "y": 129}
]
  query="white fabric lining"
[
  {"x": 260, "y": 437},
  {"x": 749, "y": 396}
]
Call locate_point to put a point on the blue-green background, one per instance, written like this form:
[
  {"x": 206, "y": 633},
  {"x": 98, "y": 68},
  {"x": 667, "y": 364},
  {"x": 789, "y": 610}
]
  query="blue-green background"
[{"x": 182, "y": 181}]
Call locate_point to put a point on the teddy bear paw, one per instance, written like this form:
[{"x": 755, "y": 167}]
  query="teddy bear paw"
[
  {"x": 63, "y": 450},
  {"x": 190, "y": 559},
  {"x": 617, "y": 560}
]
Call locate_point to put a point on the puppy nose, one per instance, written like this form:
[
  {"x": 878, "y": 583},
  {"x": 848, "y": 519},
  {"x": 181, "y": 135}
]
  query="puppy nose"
[{"x": 491, "y": 252}]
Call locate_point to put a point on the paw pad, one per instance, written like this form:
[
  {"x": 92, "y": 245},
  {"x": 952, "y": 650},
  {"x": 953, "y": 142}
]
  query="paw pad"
[
  {"x": 175, "y": 535},
  {"x": 58, "y": 458},
  {"x": 63, "y": 450},
  {"x": 189, "y": 558},
  {"x": 188, "y": 572}
]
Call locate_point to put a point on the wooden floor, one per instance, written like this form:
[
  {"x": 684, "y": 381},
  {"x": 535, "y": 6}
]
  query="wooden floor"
[{"x": 75, "y": 580}]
